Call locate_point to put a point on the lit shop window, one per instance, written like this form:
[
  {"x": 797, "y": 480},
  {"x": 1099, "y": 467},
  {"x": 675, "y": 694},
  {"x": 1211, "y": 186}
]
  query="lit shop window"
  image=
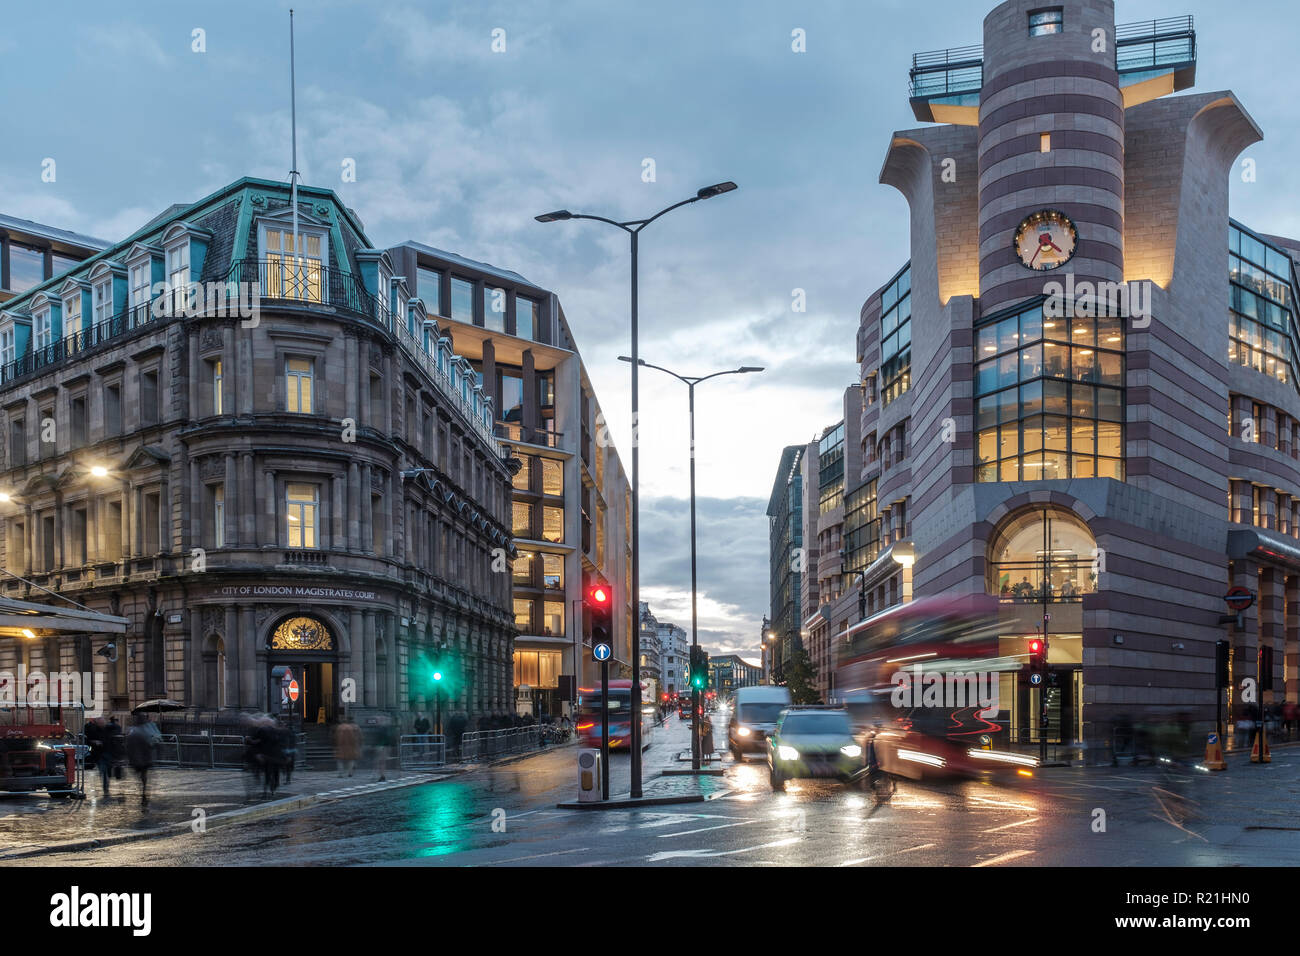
[{"x": 1049, "y": 398}]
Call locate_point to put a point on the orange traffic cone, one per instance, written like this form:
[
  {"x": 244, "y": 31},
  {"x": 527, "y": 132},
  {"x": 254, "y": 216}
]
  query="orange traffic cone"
[
  {"x": 1214, "y": 754},
  {"x": 1259, "y": 753}
]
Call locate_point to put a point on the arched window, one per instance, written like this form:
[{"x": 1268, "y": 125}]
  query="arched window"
[{"x": 1043, "y": 555}]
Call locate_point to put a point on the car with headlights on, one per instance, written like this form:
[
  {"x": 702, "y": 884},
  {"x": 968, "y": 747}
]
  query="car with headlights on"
[
  {"x": 754, "y": 714},
  {"x": 812, "y": 742}
]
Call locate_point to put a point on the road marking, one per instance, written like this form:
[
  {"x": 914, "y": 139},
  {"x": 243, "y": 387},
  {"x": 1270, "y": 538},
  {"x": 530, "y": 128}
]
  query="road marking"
[
  {"x": 881, "y": 856},
  {"x": 1008, "y": 826},
  {"x": 535, "y": 856},
  {"x": 923, "y": 846},
  {"x": 674, "y": 854},
  {"x": 720, "y": 826},
  {"x": 1004, "y": 858}
]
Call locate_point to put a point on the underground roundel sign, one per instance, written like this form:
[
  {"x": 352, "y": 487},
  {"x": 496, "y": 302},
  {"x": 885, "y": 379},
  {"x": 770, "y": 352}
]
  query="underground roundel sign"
[{"x": 1238, "y": 598}]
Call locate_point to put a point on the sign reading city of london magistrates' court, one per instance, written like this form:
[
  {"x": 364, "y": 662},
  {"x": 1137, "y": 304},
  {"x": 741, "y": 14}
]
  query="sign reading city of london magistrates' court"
[{"x": 296, "y": 592}]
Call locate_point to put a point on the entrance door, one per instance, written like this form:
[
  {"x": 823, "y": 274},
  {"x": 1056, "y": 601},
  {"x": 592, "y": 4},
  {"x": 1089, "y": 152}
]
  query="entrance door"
[{"x": 318, "y": 692}]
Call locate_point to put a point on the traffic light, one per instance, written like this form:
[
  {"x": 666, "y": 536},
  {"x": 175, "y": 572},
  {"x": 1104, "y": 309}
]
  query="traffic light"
[
  {"x": 1221, "y": 664},
  {"x": 699, "y": 674},
  {"x": 600, "y": 608},
  {"x": 1037, "y": 655}
]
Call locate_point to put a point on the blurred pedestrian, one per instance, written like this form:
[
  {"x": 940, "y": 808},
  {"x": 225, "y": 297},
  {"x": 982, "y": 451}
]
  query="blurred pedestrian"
[
  {"x": 98, "y": 755},
  {"x": 115, "y": 743},
  {"x": 140, "y": 745},
  {"x": 347, "y": 745},
  {"x": 288, "y": 751},
  {"x": 383, "y": 746},
  {"x": 1289, "y": 713},
  {"x": 270, "y": 755}
]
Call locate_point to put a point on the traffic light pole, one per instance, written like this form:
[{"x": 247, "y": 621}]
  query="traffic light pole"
[
  {"x": 695, "y": 631},
  {"x": 604, "y": 730}
]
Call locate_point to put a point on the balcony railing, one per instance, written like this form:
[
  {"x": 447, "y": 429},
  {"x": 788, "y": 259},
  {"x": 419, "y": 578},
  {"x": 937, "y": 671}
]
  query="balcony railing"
[
  {"x": 82, "y": 340},
  {"x": 515, "y": 432}
]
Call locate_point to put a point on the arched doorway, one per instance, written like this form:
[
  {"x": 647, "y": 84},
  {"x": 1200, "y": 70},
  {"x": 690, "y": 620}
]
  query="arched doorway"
[
  {"x": 306, "y": 645},
  {"x": 1043, "y": 562}
]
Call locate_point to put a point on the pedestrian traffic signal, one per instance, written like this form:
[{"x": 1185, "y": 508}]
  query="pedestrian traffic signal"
[
  {"x": 1037, "y": 655},
  {"x": 600, "y": 608}
]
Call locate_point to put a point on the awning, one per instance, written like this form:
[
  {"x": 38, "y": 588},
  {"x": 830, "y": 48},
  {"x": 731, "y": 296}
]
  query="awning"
[
  {"x": 1262, "y": 545},
  {"x": 31, "y": 620}
]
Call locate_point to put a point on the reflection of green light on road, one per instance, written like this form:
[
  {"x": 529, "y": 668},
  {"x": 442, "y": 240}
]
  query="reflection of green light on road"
[{"x": 443, "y": 815}]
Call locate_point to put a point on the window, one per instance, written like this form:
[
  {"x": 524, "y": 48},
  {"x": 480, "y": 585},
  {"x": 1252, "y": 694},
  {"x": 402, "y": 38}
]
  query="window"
[
  {"x": 523, "y": 519},
  {"x": 525, "y": 317},
  {"x": 896, "y": 336},
  {"x": 218, "y": 516},
  {"x": 72, "y": 315},
  {"x": 6, "y": 345},
  {"x": 462, "y": 300},
  {"x": 141, "y": 277},
  {"x": 1043, "y": 556},
  {"x": 80, "y": 538},
  {"x": 1044, "y": 142},
  {"x": 494, "y": 309},
  {"x": 42, "y": 330},
  {"x": 428, "y": 286},
  {"x": 77, "y": 420},
  {"x": 553, "y": 525},
  {"x": 553, "y": 572},
  {"x": 302, "y": 504},
  {"x": 522, "y": 481},
  {"x": 1049, "y": 397},
  {"x": 1043, "y": 22},
  {"x": 522, "y": 569},
  {"x": 298, "y": 385},
  {"x": 112, "y": 410},
  {"x": 553, "y": 618},
  {"x": 178, "y": 275},
  {"x": 47, "y": 542},
  {"x": 149, "y": 520},
  {"x": 61, "y": 263},
  {"x": 1261, "y": 304},
  {"x": 103, "y": 301},
  {"x": 538, "y": 668},
  {"x": 149, "y": 397},
  {"x": 26, "y": 267},
  {"x": 552, "y": 477},
  {"x": 216, "y": 386},
  {"x": 512, "y": 398},
  {"x": 113, "y": 532},
  {"x": 289, "y": 276},
  {"x": 17, "y": 443},
  {"x": 524, "y": 615}
]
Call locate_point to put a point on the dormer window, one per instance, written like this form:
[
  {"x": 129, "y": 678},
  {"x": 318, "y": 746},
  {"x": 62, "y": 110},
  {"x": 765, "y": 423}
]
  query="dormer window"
[
  {"x": 290, "y": 276},
  {"x": 72, "y": 315},
  {"x": 141, "y": 280},
  {"x": 7, "y": 351},
  {"x": 400, "y": 306},
  {"x": 178, "y": 275},
  {"x": 103, "y": 300},
  {"x": 42, "y": 328}
]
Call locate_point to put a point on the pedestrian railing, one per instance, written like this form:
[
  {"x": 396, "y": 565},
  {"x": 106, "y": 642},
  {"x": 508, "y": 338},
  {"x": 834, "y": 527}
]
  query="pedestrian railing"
[
  {"x": 422, "y": 751},
  {"x": 487, "y": 744}
]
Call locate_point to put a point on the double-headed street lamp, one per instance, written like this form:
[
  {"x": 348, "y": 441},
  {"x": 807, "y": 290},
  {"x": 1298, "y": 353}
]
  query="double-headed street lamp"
[
  {"x": 633, "y": 228},
  {"x": 691, "y": 381}
]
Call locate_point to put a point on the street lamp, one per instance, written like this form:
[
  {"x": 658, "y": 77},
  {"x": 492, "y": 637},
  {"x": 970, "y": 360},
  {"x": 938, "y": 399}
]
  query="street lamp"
[
  {"x": 690, "y": 381},
  {"x": 633, "y": 228}
]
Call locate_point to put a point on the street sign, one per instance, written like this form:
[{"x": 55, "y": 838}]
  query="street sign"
[
  {"x": 293, "y": 690},
  {"x": 1239, "y": 598},
  {"x": 1035, "y": 679},
  {"x": 601, "y": 652}
]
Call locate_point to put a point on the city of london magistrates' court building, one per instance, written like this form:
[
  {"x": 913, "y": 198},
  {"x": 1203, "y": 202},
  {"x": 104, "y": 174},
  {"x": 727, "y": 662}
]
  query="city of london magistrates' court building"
[
  {"x": 1111, "y": 466},
  {"x": 285, "y": 465}
]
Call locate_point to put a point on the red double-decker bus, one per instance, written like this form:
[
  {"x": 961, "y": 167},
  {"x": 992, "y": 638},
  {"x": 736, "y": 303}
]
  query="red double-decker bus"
[
  {"x": 620, "y": 715},
  {"x": 926, "y": 679}
]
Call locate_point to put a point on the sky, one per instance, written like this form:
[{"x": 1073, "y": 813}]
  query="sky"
[{"x": 458, "y": 145}]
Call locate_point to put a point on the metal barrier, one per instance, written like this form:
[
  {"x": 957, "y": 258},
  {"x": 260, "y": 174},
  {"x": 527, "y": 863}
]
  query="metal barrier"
[
  {"x": 487, "y": 744},
  {"x": 422, "y": 751}
]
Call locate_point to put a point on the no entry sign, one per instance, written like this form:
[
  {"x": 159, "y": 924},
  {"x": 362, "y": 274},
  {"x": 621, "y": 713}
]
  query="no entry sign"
[{"x": 293, "y": 690}]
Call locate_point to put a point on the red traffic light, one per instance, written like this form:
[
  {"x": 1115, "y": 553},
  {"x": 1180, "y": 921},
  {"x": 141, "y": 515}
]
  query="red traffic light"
[
  {"x": 1035, "y": 646},
  {"x": 599, "y": 594}
]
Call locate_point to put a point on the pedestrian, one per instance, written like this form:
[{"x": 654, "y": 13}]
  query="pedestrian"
[
  {"x": 115, "y": 746},
  {"x": 98, "y": 757},
  {"x": 140, "y": 744},
  {"x": 288, "y": 752},
  {"x": 271, "y": 755},
  {"x": 347, "y": 745},
  {"x": 383, "y": 746},
  {"x": 1289, "y": 713}
]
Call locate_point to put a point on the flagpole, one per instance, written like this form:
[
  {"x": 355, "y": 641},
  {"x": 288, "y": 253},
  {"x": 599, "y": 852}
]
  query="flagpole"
[{"x": 293, "y": 172}]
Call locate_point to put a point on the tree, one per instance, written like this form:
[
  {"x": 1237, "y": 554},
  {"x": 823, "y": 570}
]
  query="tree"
[{"x": 800, "y": 675}]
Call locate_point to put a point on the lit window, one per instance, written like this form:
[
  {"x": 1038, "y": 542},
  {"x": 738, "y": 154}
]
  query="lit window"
[
  {"x": 552, "y": 477},
  {"x": 216, "y": 387},
  {"x": 553, "y": 525},
  {"x": 290, "y": 276},
  {"x": 553, "y": 571},
  {"x": 301, "y": 510},
  {"x": 1045, "y": 142},
  {"x": 298, "y": 382}
]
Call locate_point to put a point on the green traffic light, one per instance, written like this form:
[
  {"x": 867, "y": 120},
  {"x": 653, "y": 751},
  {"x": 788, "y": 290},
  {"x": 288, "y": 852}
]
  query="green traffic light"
[{"x": 437, "y": 675}]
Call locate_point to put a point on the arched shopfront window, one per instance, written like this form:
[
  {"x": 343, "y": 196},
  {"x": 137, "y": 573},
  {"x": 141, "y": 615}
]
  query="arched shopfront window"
[{"x": 1043, "y": 555}]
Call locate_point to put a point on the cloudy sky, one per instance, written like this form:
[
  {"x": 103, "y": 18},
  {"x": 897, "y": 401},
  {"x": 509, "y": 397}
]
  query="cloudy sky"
[{"x": 459, "y": 146}]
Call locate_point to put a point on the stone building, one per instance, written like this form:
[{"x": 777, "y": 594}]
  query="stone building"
[
  {"x": 1080, "y": 391},
  {"x": 262, "y": 461}
]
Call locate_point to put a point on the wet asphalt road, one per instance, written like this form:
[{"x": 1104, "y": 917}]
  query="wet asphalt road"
[{"x": 507, "y": 816}]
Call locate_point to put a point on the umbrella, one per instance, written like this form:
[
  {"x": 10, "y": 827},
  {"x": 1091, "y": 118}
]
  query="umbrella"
[{"x": 157, "y": 706}]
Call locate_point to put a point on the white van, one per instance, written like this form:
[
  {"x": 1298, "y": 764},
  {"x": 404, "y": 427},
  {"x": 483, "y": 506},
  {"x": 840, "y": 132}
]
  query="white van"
[{"x": 753, "y": 717}]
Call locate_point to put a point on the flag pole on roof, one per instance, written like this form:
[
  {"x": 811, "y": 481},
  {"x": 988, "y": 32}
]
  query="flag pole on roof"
[{"x": 293, "y": 172}]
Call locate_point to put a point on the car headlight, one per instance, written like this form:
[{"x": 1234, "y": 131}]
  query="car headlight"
[
  {"x": 787, "y": 753},
  {"x": 743, "y": 731},
  {"x": 852, "y": 750}
]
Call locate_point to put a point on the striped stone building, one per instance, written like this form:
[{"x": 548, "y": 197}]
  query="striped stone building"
[{"x": 1058, "y": 408}]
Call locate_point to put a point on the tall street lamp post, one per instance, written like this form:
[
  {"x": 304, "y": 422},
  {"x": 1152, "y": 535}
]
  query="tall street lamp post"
[
  {"x": 691, "y": 381},
  {"x": 633, "y": 228}
]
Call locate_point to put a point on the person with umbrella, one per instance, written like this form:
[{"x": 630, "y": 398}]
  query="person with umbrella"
[{"x": 140, "y": 745}]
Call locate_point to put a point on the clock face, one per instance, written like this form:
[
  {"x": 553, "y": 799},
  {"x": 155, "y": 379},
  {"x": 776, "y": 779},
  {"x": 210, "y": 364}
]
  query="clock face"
[{"x": 1045, "y": 240}]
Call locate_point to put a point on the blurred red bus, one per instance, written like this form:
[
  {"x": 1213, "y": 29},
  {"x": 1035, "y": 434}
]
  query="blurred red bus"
[
  {"x": 620, "y": 713},
  {"x": 927, "y": 678}
]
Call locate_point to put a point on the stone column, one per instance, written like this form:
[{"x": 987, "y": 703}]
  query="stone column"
[
  {"x": 234, "y": 655},
  {"x": 354, "y": 506},
  {"x": 355, "y": 666},
  {"x": 251, "y": 504},
  {"x": 234, "y": 503},
  {"x": 252, "y": 681},
  {"x": 196, "y": 507},
  {"x": 192, "y": 393},
  {"x": 367, "y": 511},
  {"x": 274, "y": 534},
  {"x": 336, "y": 534},
  {"x": 370, "y": 683},
  {"x": 350, "y": 375}
]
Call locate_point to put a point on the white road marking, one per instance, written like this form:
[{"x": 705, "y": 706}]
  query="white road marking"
[
  {"x": 1008, "y": 826},
  {"x": 535, "y": 856},
  {"x": 881, "y": 856},
  {"x": 1004, "y": 858},
  {"x": 674, "y": 854},
  {"x": 720, "y": 826}
]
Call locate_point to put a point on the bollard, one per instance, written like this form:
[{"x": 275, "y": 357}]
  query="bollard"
[{"x": 1214, "y": 753}]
